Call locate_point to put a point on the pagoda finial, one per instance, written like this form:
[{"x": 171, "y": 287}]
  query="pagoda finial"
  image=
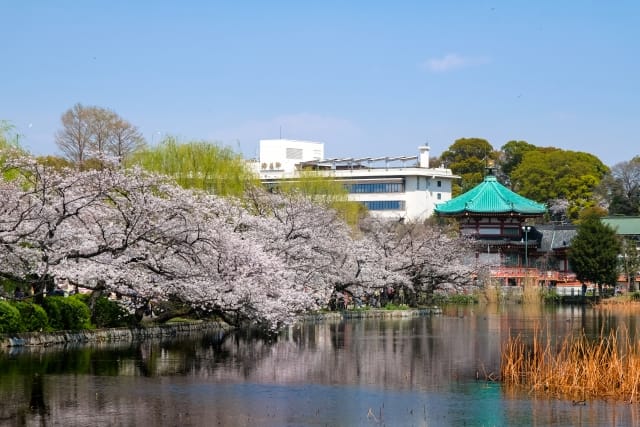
[{"x": 490, "y": 167}]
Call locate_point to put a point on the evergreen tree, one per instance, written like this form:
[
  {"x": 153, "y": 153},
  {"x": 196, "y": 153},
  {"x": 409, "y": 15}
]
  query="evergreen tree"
[{"x": 594, "y": 253}]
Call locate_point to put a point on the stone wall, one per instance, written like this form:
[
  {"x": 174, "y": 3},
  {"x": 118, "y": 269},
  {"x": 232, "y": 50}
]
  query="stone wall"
[
  {"x": 109, "y": 335},
  {"x": 123, "y": 335}
]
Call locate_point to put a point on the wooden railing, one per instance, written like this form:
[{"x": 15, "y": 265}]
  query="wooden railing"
[{"x": 512, "y": 272}]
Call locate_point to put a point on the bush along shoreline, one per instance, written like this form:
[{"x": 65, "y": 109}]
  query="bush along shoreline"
[
  {"x": 61, "y": 320},
  {"x": 66, "y": 320},
  {"x": 129, "y": 334}
]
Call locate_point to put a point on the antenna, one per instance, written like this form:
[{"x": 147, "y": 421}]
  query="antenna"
[{"x": 280, "y": 131}]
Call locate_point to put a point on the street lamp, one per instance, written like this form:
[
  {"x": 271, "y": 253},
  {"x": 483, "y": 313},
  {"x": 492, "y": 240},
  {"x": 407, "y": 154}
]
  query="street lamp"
[{"x": 526, "y": 229}]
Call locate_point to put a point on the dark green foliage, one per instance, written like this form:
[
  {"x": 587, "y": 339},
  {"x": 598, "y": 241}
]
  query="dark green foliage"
[
  {"x": 462, "y": 299},
  {"x": 512, "y": 154},
  {"x": 455, "y": 299},
  {"x": 33, "y": 317},
  {"x": 110, "y": 314},
  {"x": 9, "y": 318},
  {"x": 594, "y": 253},
  {"x": 67, "y": 313},
  {"x": 468, "y": 157},
  {"x": 548, "y": 173},
  {"x": 551, "y": 297},
  {"x": 621, "y": 188}
]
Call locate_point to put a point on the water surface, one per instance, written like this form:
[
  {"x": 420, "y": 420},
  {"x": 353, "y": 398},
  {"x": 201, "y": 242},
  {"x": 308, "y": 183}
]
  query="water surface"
[{"x": 424, "y": 371}]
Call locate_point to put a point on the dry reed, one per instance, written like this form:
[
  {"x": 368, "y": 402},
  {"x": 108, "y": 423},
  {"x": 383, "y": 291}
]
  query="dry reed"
[
  {"x": 577, "y": 369},
  {"x": 531, "y": 293}
]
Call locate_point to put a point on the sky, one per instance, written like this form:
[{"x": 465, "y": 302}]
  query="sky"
[{"x": 367, "y": 78}]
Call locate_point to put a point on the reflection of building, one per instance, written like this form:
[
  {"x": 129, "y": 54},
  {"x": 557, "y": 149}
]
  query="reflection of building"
[{"x": 392, "y": 187}]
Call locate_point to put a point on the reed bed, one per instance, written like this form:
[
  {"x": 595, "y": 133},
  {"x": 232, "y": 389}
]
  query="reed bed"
[{"x": 578, "y": 368}]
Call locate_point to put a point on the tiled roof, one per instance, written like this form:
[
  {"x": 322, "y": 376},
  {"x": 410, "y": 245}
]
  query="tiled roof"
[
  {"x": 490, "y": 197},
  {"x": 556, "y": 236},
  {"x": 624, "y": 225}
]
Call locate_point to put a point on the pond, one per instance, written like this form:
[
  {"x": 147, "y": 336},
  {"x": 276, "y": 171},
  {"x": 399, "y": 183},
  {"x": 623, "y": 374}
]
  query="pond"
[{"x": 430, "y": 370}]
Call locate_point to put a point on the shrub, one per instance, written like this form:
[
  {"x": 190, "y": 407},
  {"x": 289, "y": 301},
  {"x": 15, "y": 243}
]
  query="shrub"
[
  {"x": 110, "y": 314},
  {"x": 33, "y": 317},
  {"x": 67, "y": 313},
  {"x": 462, "y": 299},
  {"x": 392, "y": 306},
  {"x": 9, "y": 318},
  {"x": 455, "y": 299},
  {"x": 551, "y": 297}
]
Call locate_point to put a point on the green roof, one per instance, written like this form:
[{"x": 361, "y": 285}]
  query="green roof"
[
  {"x": 490, "y": 197},
  {"x": 624, "y": 225}
]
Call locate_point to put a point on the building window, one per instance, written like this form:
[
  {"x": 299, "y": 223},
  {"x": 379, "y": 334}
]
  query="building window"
[
  {"x": 439, "y": 196},
  {"x": 510, "y": 231},
  {"x": 439, "y": 184},
  {"x": 395, "y": 187},
  {"x": 384, "y": 205}
]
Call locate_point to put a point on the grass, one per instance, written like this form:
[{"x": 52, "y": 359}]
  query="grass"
[
  {"x": 392, "y": 306},
  {"x": 577, "y": 368}
]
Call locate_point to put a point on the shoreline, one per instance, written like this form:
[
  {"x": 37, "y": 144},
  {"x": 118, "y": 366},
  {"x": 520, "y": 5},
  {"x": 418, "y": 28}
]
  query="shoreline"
[
  {"x": 110, "y": 335},
  {"x": 141, "y": 333}
]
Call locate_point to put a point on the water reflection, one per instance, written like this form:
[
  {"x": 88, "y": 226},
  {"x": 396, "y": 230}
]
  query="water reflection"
[{"x": 417, "y": 371}]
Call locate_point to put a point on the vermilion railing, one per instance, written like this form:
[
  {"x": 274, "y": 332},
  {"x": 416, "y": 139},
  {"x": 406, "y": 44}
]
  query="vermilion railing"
[{"x": 532, "y": 272}]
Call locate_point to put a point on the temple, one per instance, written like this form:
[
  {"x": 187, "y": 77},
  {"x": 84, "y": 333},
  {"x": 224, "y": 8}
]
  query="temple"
[{"x": 507, "y": 236}]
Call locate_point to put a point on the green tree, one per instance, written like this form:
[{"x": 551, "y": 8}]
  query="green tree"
[
  {"x": 198, "y": 164},
  {"x": 593, "y": 254},
  {"x": 548, "y": 174},
  {"x": 9, "y": 147},
  {"x": 468, "y": 157},
  {"x": 511, "y": 155}
]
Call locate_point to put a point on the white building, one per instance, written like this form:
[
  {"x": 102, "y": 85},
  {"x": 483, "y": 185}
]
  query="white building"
[{"x": 391, "y": 187}]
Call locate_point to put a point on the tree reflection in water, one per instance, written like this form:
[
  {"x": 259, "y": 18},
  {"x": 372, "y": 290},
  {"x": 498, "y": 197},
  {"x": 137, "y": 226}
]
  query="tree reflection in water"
[{"x": 403, "y": 371}]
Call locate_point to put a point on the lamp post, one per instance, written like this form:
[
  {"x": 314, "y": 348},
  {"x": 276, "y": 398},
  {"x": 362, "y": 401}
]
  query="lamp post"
[{"x": 526, "y": 229}]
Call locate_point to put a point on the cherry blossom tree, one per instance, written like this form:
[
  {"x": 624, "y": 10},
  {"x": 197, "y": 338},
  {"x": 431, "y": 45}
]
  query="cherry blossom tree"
[
  {"x": 136, "y": 234},
  {"x": 424, "y": 258},
  {"x": 264, "y": 258},
  {"x": 311, "y": 240}
]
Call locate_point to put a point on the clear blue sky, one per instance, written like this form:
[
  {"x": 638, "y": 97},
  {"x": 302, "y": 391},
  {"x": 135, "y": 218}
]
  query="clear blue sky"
[{"x": 366, "y": 78}]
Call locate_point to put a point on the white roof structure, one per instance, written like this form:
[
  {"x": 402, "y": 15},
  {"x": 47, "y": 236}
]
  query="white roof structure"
[{"x": 399, "y": 187}]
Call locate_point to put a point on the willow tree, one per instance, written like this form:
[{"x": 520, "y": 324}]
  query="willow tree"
[
  {"x": 9, "y": 146},
  {"x": 198, "y": 164},
  {"x": 327, "y": 192}
]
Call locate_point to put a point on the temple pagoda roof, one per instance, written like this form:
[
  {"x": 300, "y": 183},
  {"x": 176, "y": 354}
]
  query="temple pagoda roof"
[{"x": 490, "y": 197}]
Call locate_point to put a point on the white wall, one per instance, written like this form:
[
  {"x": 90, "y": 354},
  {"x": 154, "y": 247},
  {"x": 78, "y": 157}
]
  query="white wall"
[
  {"x": 421, "y": 189},
  {"x": 285, "y": 154}
]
